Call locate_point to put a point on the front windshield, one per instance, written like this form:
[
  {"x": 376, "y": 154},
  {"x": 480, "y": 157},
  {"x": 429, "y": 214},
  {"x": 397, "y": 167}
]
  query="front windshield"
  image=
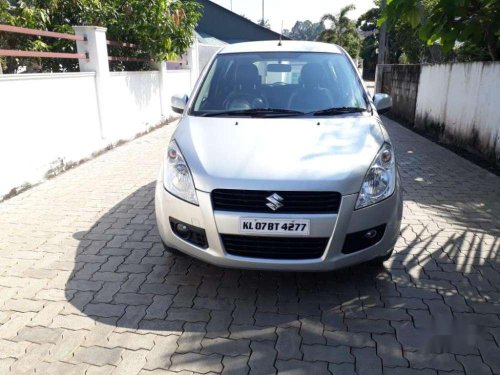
[{"x": 293, "y": 81}]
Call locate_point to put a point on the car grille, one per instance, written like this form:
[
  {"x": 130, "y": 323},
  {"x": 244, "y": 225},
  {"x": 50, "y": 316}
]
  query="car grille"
[
  {"x": 294, "y": 202},
  {"x": 274, "y": 247}
]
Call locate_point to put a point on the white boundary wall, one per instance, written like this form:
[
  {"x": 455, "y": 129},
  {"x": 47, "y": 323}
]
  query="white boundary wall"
[
  {"x": 461, "y": 100},
  {"x": 50, "y": 121}
]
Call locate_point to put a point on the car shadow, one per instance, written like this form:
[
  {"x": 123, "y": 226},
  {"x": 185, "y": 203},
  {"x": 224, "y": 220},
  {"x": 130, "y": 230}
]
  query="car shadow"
[{"x": 124, "y": 278}]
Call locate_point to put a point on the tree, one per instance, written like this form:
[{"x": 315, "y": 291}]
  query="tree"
[
  {"x": 450, "y": 24},
  {"x": 264, "y": 23},
  {"x": 405, "y": 46},
  {"x": 305, "y": 30},
  {"x": 161, "y": 28},
  {"x": 342, "y": 31}
]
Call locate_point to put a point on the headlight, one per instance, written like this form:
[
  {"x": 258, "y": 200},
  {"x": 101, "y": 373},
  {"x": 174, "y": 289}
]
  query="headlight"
[
  {"x": 380, "y": 180},
  {"x": 177, "y": 178}
]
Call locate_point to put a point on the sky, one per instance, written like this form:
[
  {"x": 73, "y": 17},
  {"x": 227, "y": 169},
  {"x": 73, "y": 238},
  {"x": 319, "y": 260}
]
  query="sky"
[{"x": 290, "y": 11}]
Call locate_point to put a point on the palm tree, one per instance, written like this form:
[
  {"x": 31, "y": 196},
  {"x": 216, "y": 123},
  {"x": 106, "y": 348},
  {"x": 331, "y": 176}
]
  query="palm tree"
[{"x": 342, "y": 31}]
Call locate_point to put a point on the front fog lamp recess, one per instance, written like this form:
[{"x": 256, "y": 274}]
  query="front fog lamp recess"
[{"x": 183, "y": 230}]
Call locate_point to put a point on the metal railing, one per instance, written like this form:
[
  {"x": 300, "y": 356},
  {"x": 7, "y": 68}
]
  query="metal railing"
[
  {"x": 49, "y": 34},
  {"x": 62, "y": 55}
]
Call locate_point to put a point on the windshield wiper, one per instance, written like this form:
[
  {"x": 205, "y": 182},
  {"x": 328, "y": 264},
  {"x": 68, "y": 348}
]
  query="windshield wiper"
[
  {"x": 254, "y": 112},
  {"x": 338, "y": 111}
]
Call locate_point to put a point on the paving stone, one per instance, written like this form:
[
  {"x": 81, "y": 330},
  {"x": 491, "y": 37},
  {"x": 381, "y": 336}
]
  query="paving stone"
[
  {"x": 100, "y": 370},
  {"x": 226, "y": 347},
  {"x": 243, "y": 312},
  {"x": 129, "y": 340},
  {"x": 188, "y": 315},
  {"x": 341, "y": 369},
  {"x": 196, "y": 362},
  {"x": 135, "y": 299},
  {"x": 311, "y": 331},
  {"x": 367, "y": 361},
  {"x": 133, "y": 315},
  {"x": 262, "y": 358},
  {"x": 288, "y": 344},
  {"x": 191, "y": 338},
  {"x": 352, "y": 339},
  {"x": 6, "y": 364},
  {"x": 96, "y": 355},
  {"x": 10, "y": 329},
  {"x": 474, "y": 365},
  {"x": 132, "y": 362},
  {"x": 301, "y": 367},
  {"x": 389, "y": 349},
  {"x": 25, "y": 305},
  {"x": 387, "y": 314},
  {"x": 235, "y": 365},
  {"x": 272, "y": 319},
  {"x": 252, "y": 332},
  {"x": 12, "y": 349},
  {"x": 62, "y": 368},
  {"x": 31, "y": 359},
  {"x": 218, "y": 325},
  {"x": 333, "y": 354},
  {"x": 372, "y": 326},
  {"x": 158, "y": 309},
  {"x": 45, "y": 316},
  {"x": 490, "y": 352},
  {"x": 104, "y": 310},
  {"x": 409, "y": 371},
  {"x": 39, "y": 335},
  {"x": 160, "y": 356},
  {"x": 107, "y": 292},
  {"x": 67, "y": 343},
  {"x": 443, "y": 361}
]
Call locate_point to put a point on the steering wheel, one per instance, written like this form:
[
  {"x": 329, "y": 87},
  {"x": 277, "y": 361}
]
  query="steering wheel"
[
  {"x": 278, "y": 84},
  {"x": 242, "y": 101}
]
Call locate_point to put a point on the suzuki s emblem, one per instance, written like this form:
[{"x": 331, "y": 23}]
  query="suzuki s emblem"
[{"x": 274, "y": 201}]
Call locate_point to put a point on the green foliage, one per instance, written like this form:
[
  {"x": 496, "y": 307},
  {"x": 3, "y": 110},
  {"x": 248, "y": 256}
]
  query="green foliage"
[
  {"x": 264, "y": 23},
  {"x": 162, "y": 29},
  {"x": 342, "y": 31},
  {"x": 305, "y": 30},
  {"x": 449, "y": 23}
]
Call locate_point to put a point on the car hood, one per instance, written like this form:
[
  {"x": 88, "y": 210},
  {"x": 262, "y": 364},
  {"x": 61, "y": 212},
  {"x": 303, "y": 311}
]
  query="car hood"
[{"x": 301, "y": 154}]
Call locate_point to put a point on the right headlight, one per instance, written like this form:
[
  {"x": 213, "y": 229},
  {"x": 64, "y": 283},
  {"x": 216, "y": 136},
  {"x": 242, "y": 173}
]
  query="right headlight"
[
  {"x": 177, "y": 178},
  {"x": 380, "y": 180}
]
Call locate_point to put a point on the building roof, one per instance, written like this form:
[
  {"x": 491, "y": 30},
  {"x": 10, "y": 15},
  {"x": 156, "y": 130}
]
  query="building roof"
[
  {"x": 286, "y": 46},
  {"x": 222, "y": 24}
]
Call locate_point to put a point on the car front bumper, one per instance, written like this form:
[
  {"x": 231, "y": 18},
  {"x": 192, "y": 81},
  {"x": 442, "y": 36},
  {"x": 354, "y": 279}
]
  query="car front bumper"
[{"x": 333, "y": 226}]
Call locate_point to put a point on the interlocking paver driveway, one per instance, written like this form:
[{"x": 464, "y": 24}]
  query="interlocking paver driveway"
[{"x": 86, "y": 287}]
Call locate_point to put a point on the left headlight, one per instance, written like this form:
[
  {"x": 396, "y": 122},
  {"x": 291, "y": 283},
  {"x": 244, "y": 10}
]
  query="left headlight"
[
  {"x": 380, "y": 180},
  {"x": 177, "y": 178}
]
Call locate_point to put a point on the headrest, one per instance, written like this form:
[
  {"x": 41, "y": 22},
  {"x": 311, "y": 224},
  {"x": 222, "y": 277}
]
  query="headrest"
[
  {"x": 247, "y": 75},
  {"x": 312, "y": 74}
]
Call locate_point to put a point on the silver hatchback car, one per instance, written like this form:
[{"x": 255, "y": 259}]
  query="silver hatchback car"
[{"x": 280, "y": 162}]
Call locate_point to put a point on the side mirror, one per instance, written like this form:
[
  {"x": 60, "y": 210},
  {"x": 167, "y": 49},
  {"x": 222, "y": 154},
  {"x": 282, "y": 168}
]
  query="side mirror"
[
  {"x": 383, "y": 102},
  {"x": 178, "y": 103}
]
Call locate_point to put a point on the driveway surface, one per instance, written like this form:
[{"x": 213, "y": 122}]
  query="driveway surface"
[{"x": 86, "y": 287}]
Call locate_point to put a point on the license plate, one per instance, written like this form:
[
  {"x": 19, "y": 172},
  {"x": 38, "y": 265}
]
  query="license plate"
[{"x": 291, "y": 227}]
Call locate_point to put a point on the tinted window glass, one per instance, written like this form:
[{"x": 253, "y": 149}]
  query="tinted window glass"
[{"x": 298, "y": 81}]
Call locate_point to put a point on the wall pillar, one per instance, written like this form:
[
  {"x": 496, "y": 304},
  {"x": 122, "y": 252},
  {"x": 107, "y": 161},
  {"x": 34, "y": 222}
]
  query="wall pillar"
[
  {"x": 97, "y": 61},
  {"x": 164, "y": 99},
  {"x": 194, "y": 62}
]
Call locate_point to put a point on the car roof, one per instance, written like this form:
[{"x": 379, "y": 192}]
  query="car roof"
[{"x": 284, "y": 46}]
